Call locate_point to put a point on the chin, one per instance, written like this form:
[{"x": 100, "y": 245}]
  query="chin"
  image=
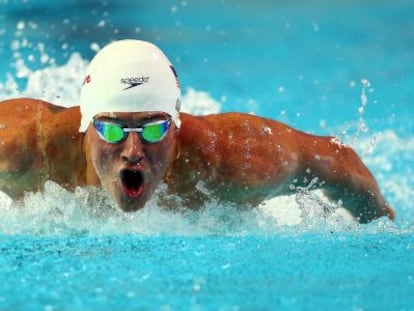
[
  {"x": 131, "y": 206},
  {"x": 126, "y": 203}
]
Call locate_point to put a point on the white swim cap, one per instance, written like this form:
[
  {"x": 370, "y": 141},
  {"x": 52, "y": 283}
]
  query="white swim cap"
[{"x": 129, "y": 76}]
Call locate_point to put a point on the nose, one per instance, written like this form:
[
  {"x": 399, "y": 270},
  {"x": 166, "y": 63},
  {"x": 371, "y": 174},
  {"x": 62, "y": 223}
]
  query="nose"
[{"x": 132, "y": 152}]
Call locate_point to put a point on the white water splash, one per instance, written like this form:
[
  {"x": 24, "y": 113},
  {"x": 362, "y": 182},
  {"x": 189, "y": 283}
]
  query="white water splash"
[
  {"x": 56, "y": 211},
  {"x": 199, "y": 102},
  {"x": 362, "y": 127}
]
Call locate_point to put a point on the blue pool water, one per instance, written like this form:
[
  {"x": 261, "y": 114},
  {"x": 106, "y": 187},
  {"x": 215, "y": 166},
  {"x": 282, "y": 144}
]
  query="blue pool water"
[{"x": 340, "y": 68}]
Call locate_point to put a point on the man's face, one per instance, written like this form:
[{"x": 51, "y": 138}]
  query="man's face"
[{"x": 131, "y": 169}]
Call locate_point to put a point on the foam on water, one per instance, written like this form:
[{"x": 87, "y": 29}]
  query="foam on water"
[
  {"x": 56, "y": 211},
  {"x": 88, "y": 211}
]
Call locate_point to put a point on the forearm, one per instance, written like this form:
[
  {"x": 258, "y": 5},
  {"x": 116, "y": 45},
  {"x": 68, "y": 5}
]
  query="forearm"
[{"x": 345, "y": 179}]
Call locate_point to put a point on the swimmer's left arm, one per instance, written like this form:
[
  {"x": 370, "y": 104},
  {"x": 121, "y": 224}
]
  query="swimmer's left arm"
[
  {"x": 345, "y": 178},
  {"x": 254, "y": 158}
]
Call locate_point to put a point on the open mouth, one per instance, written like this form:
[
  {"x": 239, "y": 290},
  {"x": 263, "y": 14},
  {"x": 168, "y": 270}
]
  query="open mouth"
[{"x": 133, "y": 183}]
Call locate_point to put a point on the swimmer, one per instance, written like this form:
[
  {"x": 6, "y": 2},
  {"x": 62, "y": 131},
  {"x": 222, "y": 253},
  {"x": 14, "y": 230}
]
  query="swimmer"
[{"x": 128, "y": 136}]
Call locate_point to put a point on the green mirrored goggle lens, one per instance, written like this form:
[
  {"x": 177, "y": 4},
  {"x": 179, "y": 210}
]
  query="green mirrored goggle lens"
[
  {"x": 112, "y": 133},
  {"x": 154, "y": 132}
]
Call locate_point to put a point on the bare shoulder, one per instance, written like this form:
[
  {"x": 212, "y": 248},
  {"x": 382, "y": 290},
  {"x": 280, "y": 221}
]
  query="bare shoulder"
[
  {"x": 235, "y": 131},
  {"x": 34, "y": 136},
  {"x": 235, "y": 123},
  {"x": 234, "y": 153},
  {"x": 23, "y": 105},
  {"x": 17, "y": 110},
  {"x": 27, "y": 117},
  {"x": 230, "y": 119}
]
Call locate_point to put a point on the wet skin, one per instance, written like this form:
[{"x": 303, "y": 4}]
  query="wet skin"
[{"x": 236, "y": 157}]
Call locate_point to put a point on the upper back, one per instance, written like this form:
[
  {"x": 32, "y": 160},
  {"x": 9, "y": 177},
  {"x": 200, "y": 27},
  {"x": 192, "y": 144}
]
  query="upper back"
[
  {"x": 39, "y": 140},
  {"x": 233, "y": 135},
  {"x": 235, "y": 150}
]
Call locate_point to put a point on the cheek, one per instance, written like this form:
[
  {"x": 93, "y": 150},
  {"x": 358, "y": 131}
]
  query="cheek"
[
  {"x": 102, "y": 156},
  {"x": 100, "y": 160},
  {"x": 157, "y": 157},
  {"x": 160, "y": 156}
]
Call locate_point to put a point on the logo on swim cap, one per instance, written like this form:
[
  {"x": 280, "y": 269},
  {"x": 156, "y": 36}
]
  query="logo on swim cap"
[
  {"x": 87, "y": 79},
  {"x": 129, "y": 76},
  {"x": 132, "y": 82}
]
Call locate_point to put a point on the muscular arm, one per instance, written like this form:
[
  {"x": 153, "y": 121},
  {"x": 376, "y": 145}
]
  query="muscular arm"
[
  {"x": 38, "y": 142},
  {"x": 243, "y": 158},
  {"x": 345, "y": 177}
]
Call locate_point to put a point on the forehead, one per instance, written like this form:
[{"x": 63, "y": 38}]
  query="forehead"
[{"x": 133, "y": 116}]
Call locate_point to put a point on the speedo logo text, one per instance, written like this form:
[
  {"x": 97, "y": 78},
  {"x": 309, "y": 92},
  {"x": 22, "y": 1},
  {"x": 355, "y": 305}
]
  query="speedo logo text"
[{"x": 135, "y": 81}]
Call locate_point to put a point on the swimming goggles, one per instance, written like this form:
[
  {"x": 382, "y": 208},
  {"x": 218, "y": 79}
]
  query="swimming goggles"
[{"x": 113, "y": 133}]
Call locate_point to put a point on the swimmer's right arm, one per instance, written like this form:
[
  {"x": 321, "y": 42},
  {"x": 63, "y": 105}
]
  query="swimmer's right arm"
[{"x": 38, "y": 142}]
